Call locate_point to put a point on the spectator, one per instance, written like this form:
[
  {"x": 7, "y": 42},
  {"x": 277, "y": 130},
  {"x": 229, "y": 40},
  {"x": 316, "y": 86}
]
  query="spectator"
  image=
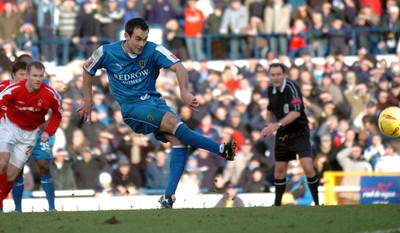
[
  {"x": 325, "y": 148},
  {"x": 296, "y": 186},
  {"x": 105, "y": 188},
  {"x": 187, "y": 117},
  {"x": 92, "y": 130},
  {"x": 350, "y": 12},
  {"x": 389, "y": 161},
  {"x": 88, "y": 169},
  {"x": 193, "y": 29},
  {"x": 234, "y": 169},
  {"x": 338, "y": 38},
  {"x": 230, "y": 198},
  {"x": 234, "y": 18},
  {"x": 78, "y": 144},
  {"x": 160, "y": 12},
  {"x": 257, "y": 44},
  {"x": 87, "y": 31},
  {"x": 209, "y": 164},
  {"x": 298, "y": 38},
  {"x": 102, "y": 109},
  {"x": 62, "y": 171},
  {"x": 352, "y": 161},
  {"x": 67, "y": 16},
  {"x": 375, "y": 151},
  {"x": 363, "y": 37},
  {"x": 369, "y": 13},
  {"x": 27, "y": 35},
  {"x": 327, "y": 12},
  {"x": 304, "y": 13},
  {"x": 157, "y": 172},
  {"x": 10, "y": 22},
  {"x": 388, "y": 39},
  {"x": 67, "y": 126},
  {"x": 104, "y": 148},
  {"x": 318, "y": 42},
  {"x": 277, "y": 22},
  {"x": 256, "y": 8},
  {"x": 126, "y": 178},
  {"x": 46, "y": 27},
  {"x": 27, "y": 12},
  {"x": 110, "y": 18},
  {"x": 357, "y": 99},
  {"x": 257, "y": 184},
  {"x": 175, "y": 42},
  {"x": 131, "y": 10},
  {"x": 212, "y": 25},
  {"x": 188, "y": 186},
  {"x": 321, "y": 165}
]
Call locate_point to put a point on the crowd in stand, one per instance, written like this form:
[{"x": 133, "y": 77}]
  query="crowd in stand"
[
  {"x": 240, "y": 29},
  {"x": 342, "y": 101}
]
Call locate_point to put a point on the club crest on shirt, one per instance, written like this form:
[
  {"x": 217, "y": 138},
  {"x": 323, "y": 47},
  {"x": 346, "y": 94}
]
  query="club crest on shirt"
[
  {"x": 150, "y": 118},
  {"x": 296, "y": 100},
  {"x": 40, "y": 102},
  {"x": 142, "y": 64}
]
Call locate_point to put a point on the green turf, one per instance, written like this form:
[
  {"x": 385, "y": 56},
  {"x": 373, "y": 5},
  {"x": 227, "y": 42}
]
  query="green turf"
[{"x": 338, "y": 219}]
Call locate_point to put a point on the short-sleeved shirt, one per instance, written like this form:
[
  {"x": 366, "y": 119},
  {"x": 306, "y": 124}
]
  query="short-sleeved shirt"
[{"x": 285, "y": 100}]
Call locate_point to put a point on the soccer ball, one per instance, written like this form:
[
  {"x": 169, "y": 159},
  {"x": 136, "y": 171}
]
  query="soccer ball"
[{"x": 389, "y": 122}]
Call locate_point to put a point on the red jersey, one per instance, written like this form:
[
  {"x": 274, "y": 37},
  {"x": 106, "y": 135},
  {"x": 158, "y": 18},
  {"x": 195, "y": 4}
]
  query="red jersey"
[
  {"x": 3, "y": 85},
  {"x": 28, "y": 110},
  {"x": 194, "y": 19}
]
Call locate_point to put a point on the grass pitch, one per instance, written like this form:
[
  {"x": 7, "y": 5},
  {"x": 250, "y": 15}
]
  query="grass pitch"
[{"x": 338, "y": 219}]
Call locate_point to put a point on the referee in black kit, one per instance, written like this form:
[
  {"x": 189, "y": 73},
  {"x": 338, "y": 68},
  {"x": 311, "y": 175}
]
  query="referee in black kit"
[{"x": 293, "y": 135}]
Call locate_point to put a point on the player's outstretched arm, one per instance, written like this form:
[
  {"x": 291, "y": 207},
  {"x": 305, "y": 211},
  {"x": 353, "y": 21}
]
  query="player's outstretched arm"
[
  {"x": 188, "y": 98},
  {"x": 86, "y": 107}
]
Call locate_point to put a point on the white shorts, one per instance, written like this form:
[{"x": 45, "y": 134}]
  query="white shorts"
[{"x": 18, "y": 142}]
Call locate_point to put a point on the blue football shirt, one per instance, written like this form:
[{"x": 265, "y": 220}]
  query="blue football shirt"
[{"x": 131, "y": 76}]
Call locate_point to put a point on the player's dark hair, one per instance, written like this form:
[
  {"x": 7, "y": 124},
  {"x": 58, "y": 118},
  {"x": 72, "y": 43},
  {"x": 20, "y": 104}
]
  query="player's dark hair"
[
  {"x": 36, "y": 64},
  {"x": 280, "y": 65},
  {"x": 19, "y": 65},
  {"x": 136, "y": 23},
  {"x": 25, "y": 57}
]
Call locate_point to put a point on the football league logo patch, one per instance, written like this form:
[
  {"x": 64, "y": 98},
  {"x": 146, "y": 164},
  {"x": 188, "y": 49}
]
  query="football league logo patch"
[
  {"x": 150, "y": 118},
  {"x": 89, "y": 62},
  {"x": 142, "y": 64},
  {"x": 174, "y": 57},
  {"x": 296, "y": 100}
]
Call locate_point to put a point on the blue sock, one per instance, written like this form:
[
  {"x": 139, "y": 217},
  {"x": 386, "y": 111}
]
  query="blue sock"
[
  {"x": 176, "y": 166},
  {"x": 193, "y": 138},
  {"x": 17, "y": 192},
  {"x": 48, "y": 187}
]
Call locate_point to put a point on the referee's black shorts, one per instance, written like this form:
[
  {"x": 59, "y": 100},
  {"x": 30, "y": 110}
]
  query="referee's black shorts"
[{"x": 287, "y": 145}]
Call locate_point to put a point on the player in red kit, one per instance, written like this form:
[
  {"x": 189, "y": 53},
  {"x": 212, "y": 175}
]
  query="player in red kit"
[
  {"x": 18, "y": 73},
  {"x": 27, "y": 102}
]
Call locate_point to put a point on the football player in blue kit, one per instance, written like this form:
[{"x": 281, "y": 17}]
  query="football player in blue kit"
[{"x": 133, "y": 66}]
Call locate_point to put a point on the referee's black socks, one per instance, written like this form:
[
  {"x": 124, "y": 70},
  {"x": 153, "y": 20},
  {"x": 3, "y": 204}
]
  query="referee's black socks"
[
  {"x": 313, "y": 184},
  {"x": 280, "y": 185}
]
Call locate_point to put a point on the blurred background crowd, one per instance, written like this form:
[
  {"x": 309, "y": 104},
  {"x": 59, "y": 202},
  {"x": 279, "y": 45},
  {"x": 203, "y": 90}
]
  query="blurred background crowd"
[
  {"x": 342, "y": 100},
  {"x": 202, "y": 29}
]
